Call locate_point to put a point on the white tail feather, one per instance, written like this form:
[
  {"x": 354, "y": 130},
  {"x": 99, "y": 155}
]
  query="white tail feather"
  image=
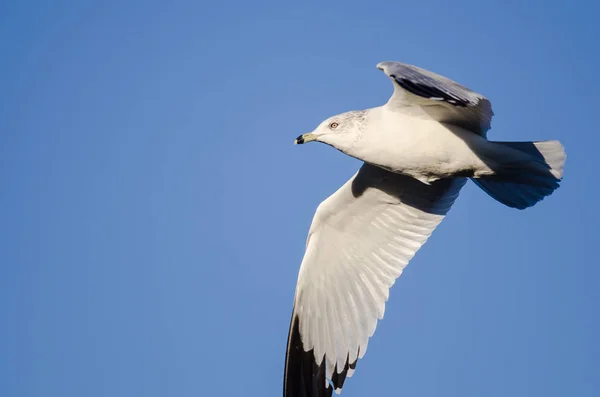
[{"x": 529, "y": 182}]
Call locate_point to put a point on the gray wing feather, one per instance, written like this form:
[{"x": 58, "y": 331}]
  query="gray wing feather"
[
  {"x": 361, "y": 239},
  {"x": 444, "y": 99}
]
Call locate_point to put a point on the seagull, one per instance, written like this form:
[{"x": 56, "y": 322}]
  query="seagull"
[{"x": 418, "y": 151}]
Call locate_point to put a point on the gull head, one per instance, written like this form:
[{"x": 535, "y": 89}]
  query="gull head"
[{"x": 340, "y": 131}]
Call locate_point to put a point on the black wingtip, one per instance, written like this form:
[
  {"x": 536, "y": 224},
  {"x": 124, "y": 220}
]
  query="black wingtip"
[
  {"x": 430, "y": 92},
  {"x": 303, "y": 377}
]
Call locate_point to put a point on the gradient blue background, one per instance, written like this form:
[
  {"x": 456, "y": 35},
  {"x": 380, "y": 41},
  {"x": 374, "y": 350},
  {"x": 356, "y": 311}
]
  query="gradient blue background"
[{"x": 153, "y": 210}]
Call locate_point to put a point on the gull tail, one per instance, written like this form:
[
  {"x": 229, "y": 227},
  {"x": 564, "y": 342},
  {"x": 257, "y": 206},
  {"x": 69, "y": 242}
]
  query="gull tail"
[{"x": 524, "y": 172}]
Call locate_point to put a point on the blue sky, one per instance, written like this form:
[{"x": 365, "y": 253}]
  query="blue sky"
[{"x": 153, "y": 209}]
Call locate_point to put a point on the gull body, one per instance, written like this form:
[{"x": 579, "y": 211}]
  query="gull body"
[
  {"x": 424, "y": 148},
  {"x": 419, "y": 149}
]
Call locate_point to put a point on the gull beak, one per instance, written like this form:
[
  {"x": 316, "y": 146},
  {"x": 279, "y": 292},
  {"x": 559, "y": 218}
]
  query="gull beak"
[{"x": 305, "y": 138}]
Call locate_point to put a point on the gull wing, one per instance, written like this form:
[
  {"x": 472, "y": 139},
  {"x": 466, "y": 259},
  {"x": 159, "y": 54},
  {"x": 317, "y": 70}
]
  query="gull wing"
[
  {"x": 443, "y": 99},
  {"x": 360, "y": 240}
]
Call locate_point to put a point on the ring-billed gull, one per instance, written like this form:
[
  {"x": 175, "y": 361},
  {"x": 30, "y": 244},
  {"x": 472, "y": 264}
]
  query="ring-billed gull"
[{"x": 418, "y": 151}]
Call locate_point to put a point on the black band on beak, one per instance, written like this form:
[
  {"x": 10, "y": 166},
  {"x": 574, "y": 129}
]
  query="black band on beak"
[{"x": 300, "y": 140}]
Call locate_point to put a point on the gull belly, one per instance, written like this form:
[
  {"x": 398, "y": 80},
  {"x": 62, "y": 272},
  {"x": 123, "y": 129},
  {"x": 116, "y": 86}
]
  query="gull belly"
[{"x": 422, "y": 148}]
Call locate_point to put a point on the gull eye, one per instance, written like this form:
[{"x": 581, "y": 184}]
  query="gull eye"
[{"x": 333, "y": 125}]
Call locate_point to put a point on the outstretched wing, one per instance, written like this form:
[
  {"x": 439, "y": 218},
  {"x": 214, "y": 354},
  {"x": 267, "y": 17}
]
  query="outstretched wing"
[
  {"x": 443, "y": 99},
  {"x": 360, "y": 240}
]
